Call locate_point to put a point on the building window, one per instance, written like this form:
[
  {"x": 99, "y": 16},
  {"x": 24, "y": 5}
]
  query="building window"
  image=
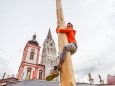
[
  {"x": 22, "y": 76},
  {"x": 32, "y": 54},
  {"x": 51, "y": 44},
  {"x": 51, "y": 63},
  {"x": 40, "y": 74},
  {"x": 48, "y": 61},
  {"x": 28, "y": 73},
  {"x": 54, "y": 63}
]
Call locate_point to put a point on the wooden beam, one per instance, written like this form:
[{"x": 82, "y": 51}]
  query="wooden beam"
[{"x": 66, "y": 73}]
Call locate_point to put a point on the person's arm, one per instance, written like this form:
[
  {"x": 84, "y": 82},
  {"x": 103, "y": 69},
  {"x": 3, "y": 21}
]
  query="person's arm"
[{"x": 62, "y": 30}]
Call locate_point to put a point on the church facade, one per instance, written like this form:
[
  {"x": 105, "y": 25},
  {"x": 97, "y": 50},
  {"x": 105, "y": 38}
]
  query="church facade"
[{"x": 30, "y": 68}]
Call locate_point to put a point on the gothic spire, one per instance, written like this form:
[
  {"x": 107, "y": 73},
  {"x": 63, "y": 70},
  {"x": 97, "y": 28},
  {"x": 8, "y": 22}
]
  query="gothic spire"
[{"x": 49, "y": 36}]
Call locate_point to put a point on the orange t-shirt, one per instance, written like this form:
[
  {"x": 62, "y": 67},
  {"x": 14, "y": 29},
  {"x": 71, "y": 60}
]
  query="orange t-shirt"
[{"x": 70, "y": 34}]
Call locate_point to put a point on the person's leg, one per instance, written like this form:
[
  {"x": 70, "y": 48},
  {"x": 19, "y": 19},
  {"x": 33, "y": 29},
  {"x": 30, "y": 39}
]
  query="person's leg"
[
  {"x": 72, "y": 47},
  {"x": 53, "y": 74},
  {"x": 74, "y": 50}
]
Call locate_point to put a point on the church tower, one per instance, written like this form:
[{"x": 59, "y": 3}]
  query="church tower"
[
  {"x": 29, "y": 67},
  {"x": 48, "y": 56}
]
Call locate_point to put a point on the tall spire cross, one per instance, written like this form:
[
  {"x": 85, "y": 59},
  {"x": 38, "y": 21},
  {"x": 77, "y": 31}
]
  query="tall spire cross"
[{"x": 66, "y": 74}]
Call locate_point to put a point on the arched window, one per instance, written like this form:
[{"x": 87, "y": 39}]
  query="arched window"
[
  {"x": 51, "y": 63},
  {"x": 40, "y": 74},
  {"x": 51, "y": 44},
  {"x": 28, "y": 73}
]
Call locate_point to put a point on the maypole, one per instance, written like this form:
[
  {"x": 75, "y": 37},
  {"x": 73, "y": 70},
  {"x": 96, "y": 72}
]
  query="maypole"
[{"x": 66, "y": 73}]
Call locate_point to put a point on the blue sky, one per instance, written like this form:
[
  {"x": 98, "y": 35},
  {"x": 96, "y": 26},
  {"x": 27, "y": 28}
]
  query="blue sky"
[{"x": 94, "y": 21}]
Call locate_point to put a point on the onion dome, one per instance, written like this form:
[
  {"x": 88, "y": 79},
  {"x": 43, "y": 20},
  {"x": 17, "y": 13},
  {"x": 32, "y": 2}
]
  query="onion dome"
[{"x": 33, "y": 41}]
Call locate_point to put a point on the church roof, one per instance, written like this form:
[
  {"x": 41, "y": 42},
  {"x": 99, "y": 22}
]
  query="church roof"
[
  {"x": 49, "y": 35},
  {"x": 36, "y": 83},
  {"x": 33, "y": 41}
]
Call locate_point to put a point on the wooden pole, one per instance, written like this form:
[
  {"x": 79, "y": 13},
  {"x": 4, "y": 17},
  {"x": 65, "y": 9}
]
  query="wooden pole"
[{"x": 66, "y": 73}]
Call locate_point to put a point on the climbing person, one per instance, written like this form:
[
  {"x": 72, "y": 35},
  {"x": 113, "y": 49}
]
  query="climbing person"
[{"x": 71, "y": 46}]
